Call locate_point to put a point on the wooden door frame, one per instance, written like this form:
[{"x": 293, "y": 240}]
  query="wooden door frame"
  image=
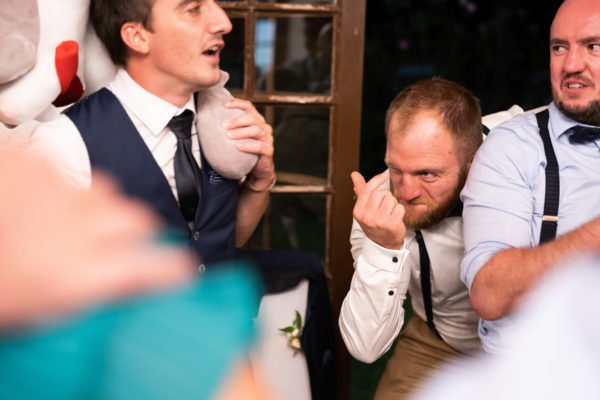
[
  {"x": 344, "y": 139},
  {"x": 345, "y": 157}
]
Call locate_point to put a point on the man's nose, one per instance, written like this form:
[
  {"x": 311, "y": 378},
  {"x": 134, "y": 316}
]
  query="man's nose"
[
  {"x": 575, "y": 60},
  {"x": 409, "y": 189},
  {"x": 219, "y": 21}
]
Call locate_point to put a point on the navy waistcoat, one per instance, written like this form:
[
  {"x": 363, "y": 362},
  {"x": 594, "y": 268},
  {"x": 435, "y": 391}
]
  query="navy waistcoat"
[{"x": 115, "y": 147}]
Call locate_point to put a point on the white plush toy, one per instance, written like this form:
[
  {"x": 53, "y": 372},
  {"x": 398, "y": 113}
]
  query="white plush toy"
[
  {"x": 54, "y": 77},
  {"x": 19, "y": 38},
  {"x": 98, "y": 68},
  {"x": 221, "y": 153}
]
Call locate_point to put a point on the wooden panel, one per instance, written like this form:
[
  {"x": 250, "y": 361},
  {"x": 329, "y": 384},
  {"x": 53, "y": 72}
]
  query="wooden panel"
[
  {"x": 344, "y": 138},
  {"x": 345, "y": 147}
]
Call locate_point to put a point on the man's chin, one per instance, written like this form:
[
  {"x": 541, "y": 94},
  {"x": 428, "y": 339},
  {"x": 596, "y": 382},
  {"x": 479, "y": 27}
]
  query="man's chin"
[
  {"x": 574, "y": 105},
  {"x": 580, "y": 110},
  {"x": 206, "y": 81},
  {"x": 424, "y": 216},
  {"x": 414, "y": 216},
  {"x": 422, "y": 221}
]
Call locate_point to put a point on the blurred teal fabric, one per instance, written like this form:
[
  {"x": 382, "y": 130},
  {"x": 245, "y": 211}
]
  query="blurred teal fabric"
[{"x": 178, "y": 344}]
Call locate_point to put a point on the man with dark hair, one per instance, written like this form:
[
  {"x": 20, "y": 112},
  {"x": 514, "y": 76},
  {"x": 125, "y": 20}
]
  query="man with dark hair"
[
  {"x": 138, "y": 128},
  {"x": 407, "y": 236},
  {"x": 531, "y": 199}
]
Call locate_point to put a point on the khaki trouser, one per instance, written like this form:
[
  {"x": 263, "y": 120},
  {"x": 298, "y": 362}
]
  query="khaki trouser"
[{"x": 419, "y": 351}]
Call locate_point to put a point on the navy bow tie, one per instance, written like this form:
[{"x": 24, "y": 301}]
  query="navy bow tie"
[{"x": 583, "y": 134}]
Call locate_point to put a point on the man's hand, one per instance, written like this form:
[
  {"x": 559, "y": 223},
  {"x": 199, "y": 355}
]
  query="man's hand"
[
  {"x": 252, "y": 125},
  {"x": 378, "y": 212}
]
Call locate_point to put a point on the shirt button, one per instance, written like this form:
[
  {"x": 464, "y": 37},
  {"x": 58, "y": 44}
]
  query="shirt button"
[
  {"x": 196, "y": 236},
  {"x": 391, "y": 293},
  {"x": 201, "y": 268},
  {"x": 395, "y": 259}
]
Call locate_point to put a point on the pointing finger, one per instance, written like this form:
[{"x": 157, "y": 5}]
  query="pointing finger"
[{"x": 358, "y": 181}]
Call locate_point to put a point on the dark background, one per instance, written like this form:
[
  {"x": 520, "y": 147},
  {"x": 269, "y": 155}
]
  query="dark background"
[{"x": 497, "y": 49}]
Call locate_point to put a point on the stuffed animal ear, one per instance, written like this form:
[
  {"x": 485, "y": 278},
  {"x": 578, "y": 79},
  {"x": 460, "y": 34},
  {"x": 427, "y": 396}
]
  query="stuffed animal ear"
[
  {"x": 220, "y": 152},
  {"x": 31, "y": 95},
  {"x": 19, "y": 37}
]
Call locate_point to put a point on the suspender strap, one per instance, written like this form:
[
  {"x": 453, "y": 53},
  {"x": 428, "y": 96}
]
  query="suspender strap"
[
  {"x": 550, "y": 218},
  {"x": 426, "y": 281},
  {"x": 485, "y": 129}
]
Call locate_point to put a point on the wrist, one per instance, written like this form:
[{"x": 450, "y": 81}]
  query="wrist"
[
  {"x": 260, "y": 187},
  {"x": 390, "y": 260}
]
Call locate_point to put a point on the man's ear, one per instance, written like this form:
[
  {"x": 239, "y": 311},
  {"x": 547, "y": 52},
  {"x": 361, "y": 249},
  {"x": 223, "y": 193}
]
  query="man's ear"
[{"x": 136, "y": 37}]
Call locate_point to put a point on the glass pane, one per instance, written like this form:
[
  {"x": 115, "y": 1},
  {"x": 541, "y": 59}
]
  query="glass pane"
[
  {"x": 301, "y": 137},
  {"x": 232, "y": 56},
  {"x": 293, "y": 54},
  {"x": 294, "y": 222}
]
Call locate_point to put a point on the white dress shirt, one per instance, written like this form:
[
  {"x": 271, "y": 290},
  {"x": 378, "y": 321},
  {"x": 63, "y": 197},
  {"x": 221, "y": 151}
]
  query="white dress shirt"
[
  {"x": 372, "y": 314},
  {"x": 149, "y": 114}
]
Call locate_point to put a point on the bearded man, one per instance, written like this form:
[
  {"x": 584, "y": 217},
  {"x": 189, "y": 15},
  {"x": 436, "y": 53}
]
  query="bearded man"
[
  {"x": 532, "y": 197},
  {"x": 407, "y": 236}
]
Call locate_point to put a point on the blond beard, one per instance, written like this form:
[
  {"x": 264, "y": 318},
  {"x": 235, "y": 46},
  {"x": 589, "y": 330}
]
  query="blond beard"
[{"x": 435, "y": 213}]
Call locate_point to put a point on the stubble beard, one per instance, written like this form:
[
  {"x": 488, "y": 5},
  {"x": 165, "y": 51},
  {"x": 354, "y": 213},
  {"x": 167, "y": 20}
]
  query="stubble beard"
[
  {"x": 435, "y": 214},
  {"x": 588, "y": 114}
]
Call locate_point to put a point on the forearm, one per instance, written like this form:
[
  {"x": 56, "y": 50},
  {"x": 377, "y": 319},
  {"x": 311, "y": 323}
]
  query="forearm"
[
  {"x": 254, "y": 193},
  {"x": 501, "y": 283},
  {"x": 252, "y": 204}
]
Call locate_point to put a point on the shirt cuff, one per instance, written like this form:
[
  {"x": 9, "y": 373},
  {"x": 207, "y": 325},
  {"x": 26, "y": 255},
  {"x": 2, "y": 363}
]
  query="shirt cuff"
[{"x": 382, "y": 258}]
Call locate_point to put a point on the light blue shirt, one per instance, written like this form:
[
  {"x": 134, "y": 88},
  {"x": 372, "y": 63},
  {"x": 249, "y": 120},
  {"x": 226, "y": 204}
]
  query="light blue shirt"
[{"x": 505, "y": 191}]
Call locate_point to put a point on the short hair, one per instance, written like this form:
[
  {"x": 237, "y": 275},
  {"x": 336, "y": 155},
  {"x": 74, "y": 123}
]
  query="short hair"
[
  {"x": 107, "y": 18},
  {"x": 459, "y": 110}
]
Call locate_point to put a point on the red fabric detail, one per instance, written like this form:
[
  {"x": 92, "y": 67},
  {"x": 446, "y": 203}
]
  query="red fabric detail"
[
  {"x": 66, "y": 61},
  {"x": 73, "y": 93}
]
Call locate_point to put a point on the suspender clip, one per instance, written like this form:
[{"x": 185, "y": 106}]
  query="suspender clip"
[{"x": 551, "y": 218}]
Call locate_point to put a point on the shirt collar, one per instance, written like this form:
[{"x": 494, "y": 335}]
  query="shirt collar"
[{"x": 154, "y": 112}]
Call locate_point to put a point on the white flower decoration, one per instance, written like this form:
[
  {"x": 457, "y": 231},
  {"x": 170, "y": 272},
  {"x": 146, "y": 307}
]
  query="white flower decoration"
[{"x": 294, "y": 333}]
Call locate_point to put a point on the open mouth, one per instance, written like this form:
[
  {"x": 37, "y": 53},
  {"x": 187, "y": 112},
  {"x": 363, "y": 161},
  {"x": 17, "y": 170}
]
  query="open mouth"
[
  {"x": 212, "y": 51},
  {"x": 576, "y": 82}
]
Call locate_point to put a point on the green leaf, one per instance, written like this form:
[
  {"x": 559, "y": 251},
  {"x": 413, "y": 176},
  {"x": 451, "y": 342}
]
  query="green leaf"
[
  {"x": 298, "y": 320},
  {"x": 287, "y": 329}
]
